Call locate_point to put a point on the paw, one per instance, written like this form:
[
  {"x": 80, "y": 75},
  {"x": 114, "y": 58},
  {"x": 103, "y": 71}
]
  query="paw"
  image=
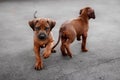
[
  {"x": 78, "y": 39},
  {"x": 43, "y": 46},
  {"x": 46, "y": 55},
  {"x": 64, "y": 54},
  {"x": 53, "y": 51},
  {"x": 84, "y": 50},
  {"x": 38, "y": 65},
  {"x": 70, "y": 55}
]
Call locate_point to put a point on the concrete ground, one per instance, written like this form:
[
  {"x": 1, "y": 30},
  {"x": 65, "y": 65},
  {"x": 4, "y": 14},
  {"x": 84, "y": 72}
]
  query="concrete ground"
[{"x": 101, "y": 62}]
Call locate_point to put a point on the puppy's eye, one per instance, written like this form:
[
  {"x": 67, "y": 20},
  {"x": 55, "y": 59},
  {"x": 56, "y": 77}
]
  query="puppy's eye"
[
  {"x": 47, "y": 28},
  {"x": 37, "y": 28}
]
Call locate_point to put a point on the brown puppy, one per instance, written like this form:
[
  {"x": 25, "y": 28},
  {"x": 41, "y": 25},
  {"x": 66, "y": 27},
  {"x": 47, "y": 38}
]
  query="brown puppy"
[
  {"x": 42, "y": 38},
  {"x": 75, "y": 28}
]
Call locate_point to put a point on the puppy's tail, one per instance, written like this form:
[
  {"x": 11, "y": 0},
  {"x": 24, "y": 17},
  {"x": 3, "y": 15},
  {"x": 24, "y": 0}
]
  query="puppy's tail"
[
  {"x": 35, "y": 14},
  {"x": 57, "y": 41}
]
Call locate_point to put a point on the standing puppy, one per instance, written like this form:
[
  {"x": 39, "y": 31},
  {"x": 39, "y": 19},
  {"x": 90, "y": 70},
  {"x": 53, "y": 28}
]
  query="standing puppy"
[
  {"x": 75, "y": 28},
  {"x": 42, "y": 38}
]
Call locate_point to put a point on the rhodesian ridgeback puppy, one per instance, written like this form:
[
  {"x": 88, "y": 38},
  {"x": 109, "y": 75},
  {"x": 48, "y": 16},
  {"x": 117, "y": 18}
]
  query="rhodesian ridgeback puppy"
[
  {"x": 75, "y": 28},
  {"x": 42, "y": 38}
]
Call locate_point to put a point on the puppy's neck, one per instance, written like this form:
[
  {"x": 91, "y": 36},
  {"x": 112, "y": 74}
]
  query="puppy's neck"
[{"x": 84, "y": 17}]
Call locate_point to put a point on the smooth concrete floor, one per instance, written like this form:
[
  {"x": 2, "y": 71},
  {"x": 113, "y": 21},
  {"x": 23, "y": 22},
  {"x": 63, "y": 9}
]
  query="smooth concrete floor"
[{"x": 101, "y": 62}]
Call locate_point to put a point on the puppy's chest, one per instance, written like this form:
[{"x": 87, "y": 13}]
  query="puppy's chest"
[
  {"x": 44, "y": 42},
  {"x": 41, "y": 42}
]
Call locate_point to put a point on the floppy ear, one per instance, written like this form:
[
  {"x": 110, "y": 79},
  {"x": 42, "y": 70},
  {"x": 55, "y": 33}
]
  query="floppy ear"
[
  {"x": 51, "y": 23},
  {"x": 80, "y": 11},
  {"x": 32, "y": 24},
  {"x": 91, "y": 13}
]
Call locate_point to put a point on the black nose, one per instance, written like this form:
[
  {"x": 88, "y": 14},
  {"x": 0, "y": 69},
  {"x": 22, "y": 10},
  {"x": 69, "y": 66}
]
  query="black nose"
[{"x": 42, "y": 36}]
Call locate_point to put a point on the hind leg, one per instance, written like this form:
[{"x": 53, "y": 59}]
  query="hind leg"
[
  {"x": 68, "y": 36},
  {"x": 67, "y": 46},
  {"x": 63, "y": 50}
]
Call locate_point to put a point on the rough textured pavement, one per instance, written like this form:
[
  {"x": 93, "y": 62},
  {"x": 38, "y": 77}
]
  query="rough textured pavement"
[{"x": 101, "y": 62}]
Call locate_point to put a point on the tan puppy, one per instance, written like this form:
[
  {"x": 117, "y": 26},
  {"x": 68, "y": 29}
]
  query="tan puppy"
[
  {"x": 75, "y": 28},
  {"x": 42, "y": 38}
]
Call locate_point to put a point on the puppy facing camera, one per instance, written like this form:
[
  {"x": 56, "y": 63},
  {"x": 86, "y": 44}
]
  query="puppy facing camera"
[{"x": 43, "y": 38}]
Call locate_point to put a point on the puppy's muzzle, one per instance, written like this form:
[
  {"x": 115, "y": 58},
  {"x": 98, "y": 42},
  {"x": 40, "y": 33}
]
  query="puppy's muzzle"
[{"x": 42, "y": 36}]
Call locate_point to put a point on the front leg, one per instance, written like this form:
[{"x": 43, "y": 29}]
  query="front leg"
[
  {"x": 78, "y": 37},
  {"x": 83, "y": 46},
  {"x": 39, "y": 63},
  {"x": 48, "y": 50}
]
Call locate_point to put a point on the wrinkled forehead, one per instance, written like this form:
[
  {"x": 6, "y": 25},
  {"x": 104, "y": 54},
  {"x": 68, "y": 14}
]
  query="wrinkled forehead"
[{"x": 42, "y": 22}]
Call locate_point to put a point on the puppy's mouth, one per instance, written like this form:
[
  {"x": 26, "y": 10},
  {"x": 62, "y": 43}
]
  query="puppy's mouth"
[
  {"x": 93, "y": 16},
  {"x": 42, "y": 36}
]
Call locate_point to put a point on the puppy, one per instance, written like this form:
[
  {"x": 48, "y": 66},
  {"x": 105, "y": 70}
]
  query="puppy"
[
  {"x": 75, "y": 28},
  {"x": 42, "y": 38}
]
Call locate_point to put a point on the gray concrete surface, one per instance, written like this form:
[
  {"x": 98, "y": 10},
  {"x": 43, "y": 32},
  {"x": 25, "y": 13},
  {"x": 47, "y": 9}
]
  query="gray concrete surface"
[{"x": 101, "y": 62}]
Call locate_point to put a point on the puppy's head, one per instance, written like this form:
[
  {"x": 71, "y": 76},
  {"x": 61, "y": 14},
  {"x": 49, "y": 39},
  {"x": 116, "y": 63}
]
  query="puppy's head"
[
  {"x": 42, "y": 27},
  {"x": 89, "y": 11}
]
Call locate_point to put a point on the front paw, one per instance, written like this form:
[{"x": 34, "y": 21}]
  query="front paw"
[
  {"x": 78, "y": 38},
  {"x": 46, "y": 55},
  {"x": 38, "y": 65}
]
